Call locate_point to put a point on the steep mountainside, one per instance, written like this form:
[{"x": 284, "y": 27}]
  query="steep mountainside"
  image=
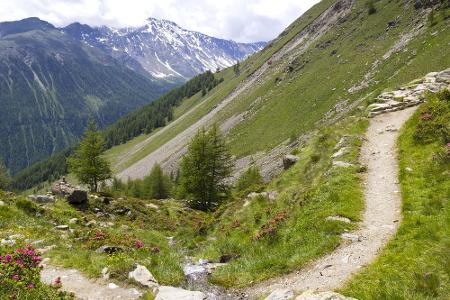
[
  {"x": 50, "y": 84},
  {"x": 164, "y": 49},
  {"x": 326, "y": 64}
]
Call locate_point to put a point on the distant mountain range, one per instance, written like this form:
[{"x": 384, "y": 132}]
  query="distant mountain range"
[
  {"x": 163, "y": 49},
  {"x": 52, "y": 80}
]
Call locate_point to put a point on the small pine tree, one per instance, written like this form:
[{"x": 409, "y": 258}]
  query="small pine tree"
[
  {"x": 250, "y": 179},
  {"x": 204, "y": 170},
  {"x": 87, "y": 163},
  {"x": 5, "y": 179},
  {"x": 157, "y": 185}
]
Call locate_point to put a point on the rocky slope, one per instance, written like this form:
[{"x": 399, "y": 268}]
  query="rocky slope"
[{"x": 164, "y": 49}]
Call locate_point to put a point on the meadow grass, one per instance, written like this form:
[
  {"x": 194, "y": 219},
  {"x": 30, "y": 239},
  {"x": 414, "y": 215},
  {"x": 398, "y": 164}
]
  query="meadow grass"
[{"x": 416, "y": 263}]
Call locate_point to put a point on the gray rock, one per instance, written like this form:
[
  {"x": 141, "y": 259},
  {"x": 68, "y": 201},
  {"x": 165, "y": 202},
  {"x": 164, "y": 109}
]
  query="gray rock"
[
  {"x": 341, "y": 152},
  {"x": 16, "y": 237},
  {"x": 142, "y": 275},
  {"x": 62, "y": 227},
  {"x": 173, "y": 293},
  {"x": 105, "y": 273},
  {"x": 342, "y": 164},
  {"x": 9, "y": 243},
  {"x": 91, "y": 223},
  {"x": 338, "y": 218},
  {"x": 74, "y": 221},
  {"x": 151, "y": 205},
  {"x": 42, "y": 198},
  {"x": 74, "y": 196},
  {"x": 109, "y": 249},
  {"x": 289, "y": 161},
  {"x": 408, "y": 169},
  {"x": 2, "y": 203},
  {"x": 281, "y": 294},
  {"x": 351, "y": 237},
  {"x": 309, "y": 295}
]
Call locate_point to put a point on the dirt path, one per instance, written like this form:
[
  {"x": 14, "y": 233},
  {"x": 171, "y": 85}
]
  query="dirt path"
[
  {"x": 380, "y": 220},
  {"x": 75, "y": 282},
  {"x": 168, "y": 154}
]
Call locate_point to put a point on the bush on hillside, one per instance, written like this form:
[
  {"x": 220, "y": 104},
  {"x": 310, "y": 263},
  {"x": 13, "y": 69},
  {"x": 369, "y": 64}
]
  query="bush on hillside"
[
  {"x": 250, "y": 181},
  {"x": 434, "y": 119},
  {"x": 371, "y": 7},
  {"x": 20, "y": 276}
]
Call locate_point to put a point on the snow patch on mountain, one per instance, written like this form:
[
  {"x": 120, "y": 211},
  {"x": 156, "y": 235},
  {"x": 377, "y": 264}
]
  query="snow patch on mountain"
[{"x": 163, "y": 49}]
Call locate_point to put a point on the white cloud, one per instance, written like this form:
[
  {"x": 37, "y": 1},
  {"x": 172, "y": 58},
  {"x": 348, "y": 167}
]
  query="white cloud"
[{"x": 240, "y": 20}]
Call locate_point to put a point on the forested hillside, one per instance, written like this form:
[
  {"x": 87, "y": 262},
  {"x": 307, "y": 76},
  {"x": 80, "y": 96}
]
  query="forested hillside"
[{"x": 50, "y": 85}]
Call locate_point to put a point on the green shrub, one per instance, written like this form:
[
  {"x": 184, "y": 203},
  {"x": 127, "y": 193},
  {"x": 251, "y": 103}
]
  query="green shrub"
[
  {"x": 250, "y": 180},
  {"x": 20, "y": 276},
  {"x": 371, "y": 7},
  {"x": 434, "y": 119},
  {"x": 27, "y": 206}
]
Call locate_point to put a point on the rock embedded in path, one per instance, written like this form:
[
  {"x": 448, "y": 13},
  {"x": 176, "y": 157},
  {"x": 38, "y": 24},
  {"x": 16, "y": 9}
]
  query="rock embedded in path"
[
  {"x": 309, "y": 295},
  {"x": 281, "y": 294},
  {"x": 289, "y": 161},
  {"x": 142, "y": 275},
  {"x": 173, "y": 293},
  {"x": 351, "y": 237}
]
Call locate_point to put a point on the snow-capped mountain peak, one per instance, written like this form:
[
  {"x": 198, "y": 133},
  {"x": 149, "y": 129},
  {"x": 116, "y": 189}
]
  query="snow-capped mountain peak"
[{"x": 163, "y": 49}]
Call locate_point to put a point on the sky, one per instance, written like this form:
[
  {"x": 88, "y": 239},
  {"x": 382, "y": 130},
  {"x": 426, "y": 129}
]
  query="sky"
[{"x": 239, "y": 20}]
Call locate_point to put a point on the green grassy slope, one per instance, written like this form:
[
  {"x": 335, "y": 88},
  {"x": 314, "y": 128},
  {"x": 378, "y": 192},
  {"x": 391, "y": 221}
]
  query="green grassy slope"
[
  {"x": 416, "y": 264},
  {"x": 289, "y": 102}
]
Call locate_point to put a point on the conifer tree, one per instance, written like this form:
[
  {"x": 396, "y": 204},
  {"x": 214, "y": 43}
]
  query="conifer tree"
[
  {"x": 5, "y": 179},
  {"x": 204, "y": 170},
  {"x": 157, "y": 185},
  {"x": 87, "y": 162}
]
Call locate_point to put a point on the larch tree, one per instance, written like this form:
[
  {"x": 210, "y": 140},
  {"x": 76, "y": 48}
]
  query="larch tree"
[{"x": 87, "y": 162}]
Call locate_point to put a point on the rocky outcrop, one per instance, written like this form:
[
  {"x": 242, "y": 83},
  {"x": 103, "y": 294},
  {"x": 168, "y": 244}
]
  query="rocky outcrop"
[
  {"x": 75, "y": 196},
  {"x": 142, "y": 275},
  {"x": 411, "y": 95}
]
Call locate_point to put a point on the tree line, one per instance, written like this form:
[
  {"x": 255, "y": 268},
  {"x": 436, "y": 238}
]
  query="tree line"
[{"x": 153, "y": 115}]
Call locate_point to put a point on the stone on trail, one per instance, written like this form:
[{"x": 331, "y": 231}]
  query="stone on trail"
[
  {"x": 281, "y": 294},
  {"x": 142, "y": 275},
  {"x": 173, "y": 293},
  {"x": 309, "y": 295}
]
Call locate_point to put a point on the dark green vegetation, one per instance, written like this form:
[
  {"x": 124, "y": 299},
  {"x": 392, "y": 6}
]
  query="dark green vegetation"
[
  {"x": 87, "y": 162},
  {"x": 5, "y": 179},
  {"x": 159, "y": 112},
  {"x": 50, "y": 84},
  {"x": 250, "y": 181},
  {"x": 150, "y": 117},
  {"x": 204, "y": 170},
  {"x": 415, "y": 265},
  {"x": 156, "y": 185}
]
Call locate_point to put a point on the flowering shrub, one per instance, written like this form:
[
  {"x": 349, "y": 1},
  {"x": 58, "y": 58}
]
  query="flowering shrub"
[
  {"x": 20, "y": 269},
  {"x": 20, "y": 276}
]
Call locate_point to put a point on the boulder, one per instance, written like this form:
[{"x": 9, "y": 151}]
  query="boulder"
[
  {"x": 281, "y": 294},
  {"x": 62, "y": 227},
  {"x": 42, "y": 198},
  {"x": 74, "y": 221},
  {"x": 289, "y": 161},
  {"x": 2, "y": 203},
  {"x": 108, "y": 249},
  {"x": 75, "y": 196},
  {"x": 309, "y": 295},
  {"x": 142, "y": 275},
  {"x": 173, "y": 293}
]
